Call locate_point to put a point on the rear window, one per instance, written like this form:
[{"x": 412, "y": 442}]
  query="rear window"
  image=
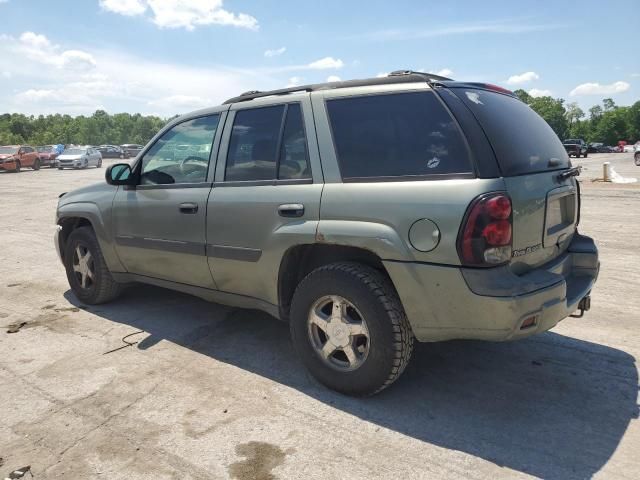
[
  {"x": 396, "y": 135},
  {"x": 522, "y": 140}
]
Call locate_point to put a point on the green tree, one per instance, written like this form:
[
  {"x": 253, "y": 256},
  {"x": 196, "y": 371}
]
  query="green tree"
[{"x": 554, "y": 113}]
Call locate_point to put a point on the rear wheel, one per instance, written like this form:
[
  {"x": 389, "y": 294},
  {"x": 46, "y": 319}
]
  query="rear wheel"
[
  {"x": 59, "y": 168},
  {"x": 349, "y": 328},
  {"x": 636, "y": 158},
  {"x": 36, "y": 164},
  {"x": 99, "y": 163},
  {"x": 87, "y": 272},
  {"x": 585, "y": 154},
  {"x": 18, "y": 166}
]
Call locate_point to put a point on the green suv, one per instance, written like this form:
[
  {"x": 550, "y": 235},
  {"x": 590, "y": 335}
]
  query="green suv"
[{"x": 368, "y": 214}]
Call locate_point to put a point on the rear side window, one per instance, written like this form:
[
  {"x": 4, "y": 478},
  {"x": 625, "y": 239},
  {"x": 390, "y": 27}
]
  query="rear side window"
[
  {"x": 267, "y": 145},
  {"x": 523, "y": 142},
  {"x": 396, "y": 135}
]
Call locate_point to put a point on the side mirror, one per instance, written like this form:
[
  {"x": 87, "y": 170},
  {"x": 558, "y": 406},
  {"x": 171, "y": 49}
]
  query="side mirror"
[{"x": 119, "y": 174}]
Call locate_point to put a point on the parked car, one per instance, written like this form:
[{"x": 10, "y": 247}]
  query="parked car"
[
  {"x": 636, "y": 155},
  {"x": 595, "y": 147},
  {"x": 79, "y": 157},
  {"x": 14, "y": 157},
  {"x": 111, "y": 151},
  {"x": 575, "y": 147},
  {"x": 131, "y": 149},
  {"x": 47, "y": 155},
  {"x": 366, "y": 214}
]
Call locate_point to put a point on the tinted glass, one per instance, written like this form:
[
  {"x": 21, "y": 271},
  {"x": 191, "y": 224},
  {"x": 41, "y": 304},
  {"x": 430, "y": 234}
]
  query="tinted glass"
[
  {"x": 8, "y": 150},
  {"x": 181, "y": 155},
  {"x": 294, "y": 161},
  {"x": 396, "y": 135},
  {"x": 254, "y": 143},
  {"x": 523, "y": 141}
]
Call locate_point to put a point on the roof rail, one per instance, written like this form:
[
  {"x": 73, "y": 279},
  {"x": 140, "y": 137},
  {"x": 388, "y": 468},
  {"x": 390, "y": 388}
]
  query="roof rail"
[
  {"x": 430, "y": 76},
  {"x": 398, "y": 76}
]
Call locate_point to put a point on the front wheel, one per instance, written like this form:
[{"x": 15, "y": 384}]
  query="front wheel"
[
  {"x": 99, "y": 163},
  {"x": 87, "y": 272},
  {"x": 585, "y": 154},
  {"x": 636, "y": 158},
  {"x": 36, "y": 164},
  {"x": 18, "y": 166},
  {"x": 349, "y": 328}
]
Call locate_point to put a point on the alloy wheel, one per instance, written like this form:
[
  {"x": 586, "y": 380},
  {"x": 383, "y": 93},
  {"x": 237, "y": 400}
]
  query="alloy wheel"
[{"x": 338, "y": 333}]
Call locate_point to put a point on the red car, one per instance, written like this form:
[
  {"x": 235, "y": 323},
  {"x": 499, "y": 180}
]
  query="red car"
[
  {"x": 47, "y": 155},
  {"x": 14, "y": 157}
]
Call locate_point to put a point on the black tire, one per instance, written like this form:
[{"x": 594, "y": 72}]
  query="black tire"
[
  {"x": 99, "y": 163},
  {"x": 585, "y": 154},
  {"x": 59, "y": 168},
  {"x": 103, "y": 287},
  {"x": 18, "y": 166},
  {"x": 390, "y": 336},
  {"x": 636, "y": 158},
  {"x": 36, "y": 164}
]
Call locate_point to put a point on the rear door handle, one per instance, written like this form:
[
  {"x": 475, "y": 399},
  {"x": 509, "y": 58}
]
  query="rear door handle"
[
  {"x": 188, "y": 207},
  {"x": 291, "y": 210}
]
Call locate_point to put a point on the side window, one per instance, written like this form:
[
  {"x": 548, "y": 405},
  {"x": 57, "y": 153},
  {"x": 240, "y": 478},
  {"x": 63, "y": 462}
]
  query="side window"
[
  {"x": 395, "y": 135},
  {"x": 180, "y": 155},
  {"x": 263, "y": 148},
  {"x": 294, "y": 160},
  {"x": 254, "y": 144}
]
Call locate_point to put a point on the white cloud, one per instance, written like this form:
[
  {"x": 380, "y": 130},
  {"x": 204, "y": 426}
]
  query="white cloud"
[
  {"x": 124, "y": 7},
  {"x": 38, "y": 48},
  {"x": 294, "y": 81},
  {"x": 187, "y": 14},
  {"x": 274, "y": 53},
  {"x": 326, "y": 63},
  {"x": 181, "y": 102},
  {"x": 523, "y": 78},
  {"x": 445, "y": 72},
  {"x": 54, "y": 80},
  {"x": 333, "y": 78},
  {"x": 504, "y": 26},
  {"x": 598, "y": 89},
  {"x": 537, "y": 92},
  {"x": 382, "y": 74}
]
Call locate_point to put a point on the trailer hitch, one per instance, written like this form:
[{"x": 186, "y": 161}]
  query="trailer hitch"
[{"x": 583, "y": 306}]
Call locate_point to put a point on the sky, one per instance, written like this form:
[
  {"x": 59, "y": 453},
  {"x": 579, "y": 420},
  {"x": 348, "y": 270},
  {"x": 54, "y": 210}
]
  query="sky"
[{"x": 167, "y": 57}]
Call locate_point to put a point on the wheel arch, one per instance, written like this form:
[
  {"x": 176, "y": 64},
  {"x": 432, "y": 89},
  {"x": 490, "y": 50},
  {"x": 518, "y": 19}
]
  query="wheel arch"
[
  {"x": 300, "y": 260},
  {"x": 76, "y": 215}
]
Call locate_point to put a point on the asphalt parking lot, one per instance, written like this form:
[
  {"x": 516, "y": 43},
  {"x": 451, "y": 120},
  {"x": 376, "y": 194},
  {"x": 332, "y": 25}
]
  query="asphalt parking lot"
[{"x": 215, "y": 392}]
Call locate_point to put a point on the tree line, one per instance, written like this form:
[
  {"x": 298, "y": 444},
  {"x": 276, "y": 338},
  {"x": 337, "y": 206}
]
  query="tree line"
[
  {"x": 97, "y": 129},
  {"x": 606, "y": 123}
]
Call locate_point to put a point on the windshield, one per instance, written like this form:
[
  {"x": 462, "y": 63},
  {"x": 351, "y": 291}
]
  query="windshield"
[
  {"x": 8, "y": 150},
  {"x": 74, "y": 151},
  {"x": 523, "y": 142},
  {"x": 44, "y": 149}
]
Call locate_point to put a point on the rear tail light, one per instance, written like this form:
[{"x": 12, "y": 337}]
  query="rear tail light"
[{"x": 486, "y": 233}]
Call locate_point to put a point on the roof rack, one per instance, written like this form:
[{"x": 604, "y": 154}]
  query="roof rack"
[{"x": 398, "y": 76}]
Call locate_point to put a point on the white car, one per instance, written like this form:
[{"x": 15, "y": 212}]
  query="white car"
[{"x": 79, "y": 157}]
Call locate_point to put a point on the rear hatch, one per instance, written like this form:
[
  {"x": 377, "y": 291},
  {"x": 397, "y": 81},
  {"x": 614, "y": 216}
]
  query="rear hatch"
[{"x": 531, "y": 157}]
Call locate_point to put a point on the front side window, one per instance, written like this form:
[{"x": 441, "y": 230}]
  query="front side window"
[
  {"x": 180, "y": 155},
  {"x": 262, "y": 147},
  {"x": 396, "y": 135}
]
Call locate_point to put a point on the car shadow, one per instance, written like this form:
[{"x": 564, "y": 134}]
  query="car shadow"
[{"x": 551, "y": 406}]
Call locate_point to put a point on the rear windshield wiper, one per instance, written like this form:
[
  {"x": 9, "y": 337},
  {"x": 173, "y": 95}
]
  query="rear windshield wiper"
[{"x": 572, "y": 172}]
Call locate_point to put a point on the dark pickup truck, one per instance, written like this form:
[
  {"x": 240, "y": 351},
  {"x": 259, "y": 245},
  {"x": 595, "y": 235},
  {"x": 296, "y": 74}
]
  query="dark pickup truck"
[{"x": 575, "y": 147}]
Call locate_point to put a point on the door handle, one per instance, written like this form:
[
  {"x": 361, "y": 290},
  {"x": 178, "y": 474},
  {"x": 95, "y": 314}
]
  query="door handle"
[
  {"x": 291, "y": 210},
  {"x": 188, "y": 207}
]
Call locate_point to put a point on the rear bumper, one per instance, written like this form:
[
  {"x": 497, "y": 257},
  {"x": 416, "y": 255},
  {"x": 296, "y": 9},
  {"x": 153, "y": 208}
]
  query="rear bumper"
[{"x": 444, "y": 303}]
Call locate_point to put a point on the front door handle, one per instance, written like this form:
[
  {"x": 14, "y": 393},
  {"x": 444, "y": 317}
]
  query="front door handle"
[
  {"x": 188, "y": 207},
  {"x": 291, "y": 210}
]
